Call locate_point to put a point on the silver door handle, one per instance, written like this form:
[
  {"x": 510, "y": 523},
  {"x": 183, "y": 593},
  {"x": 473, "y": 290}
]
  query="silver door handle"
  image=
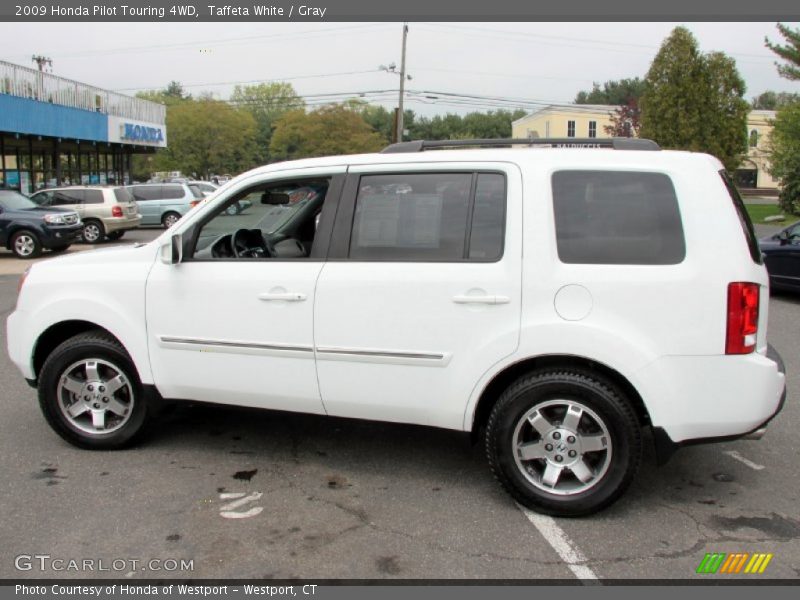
[
  {"x": 481, "y": 299},
  {"x": 285, "y": 296}
]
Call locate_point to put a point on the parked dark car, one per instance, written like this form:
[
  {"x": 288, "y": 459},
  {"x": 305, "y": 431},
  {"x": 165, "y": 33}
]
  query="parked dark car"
[
  {"x": 26, "y": 228},
  {"x": 782, "y": 257}
]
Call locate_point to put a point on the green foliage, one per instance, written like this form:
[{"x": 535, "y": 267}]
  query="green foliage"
[
  {"x": 790, "y": 52},
  {"x": 694, "y": 101},
  {"x": 770, "y": 100},
  {"x": 613, "y": 92},
  {"x": 206, "y": 136},
  {"x": 170, "y": 95},
  {"x": 488, "y": 125},
  {"x": 329, "y": 130},
  {"x": 785, "y": 156},
  {"x": 266, "y": 102}
]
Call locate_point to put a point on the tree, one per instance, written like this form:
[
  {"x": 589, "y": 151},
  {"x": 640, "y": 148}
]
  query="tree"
[
  {"x": 170, "y": 95},
  {"x": 488, "y": 125},
  {"x": 626, "y": 120},
  {"x": 329, "y": 130},
  {"x": 785, "y": 156},
  {"x": 207, "y": 136},
  {"x": 785, "y": 139},
  {"x": 790, "y": 52},
  {"x": 694, "y": 101},
  {"x": 613, "y": 92},
  {"x": 770, "y": 100},
  {"x": 266, "y": 102}
]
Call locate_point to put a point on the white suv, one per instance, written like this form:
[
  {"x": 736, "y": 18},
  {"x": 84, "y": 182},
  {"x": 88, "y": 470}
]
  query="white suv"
[{"x": 554, "y": 299}]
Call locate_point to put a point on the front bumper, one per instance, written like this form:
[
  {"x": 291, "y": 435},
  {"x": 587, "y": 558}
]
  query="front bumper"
[
  {"x": 665, "y": 447},
  {"x": 54, "y": 236}
]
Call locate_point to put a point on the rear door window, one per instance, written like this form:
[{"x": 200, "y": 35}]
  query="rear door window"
[
  {"x": 92, "y": 196},
  {"x": 617, "y": 217}
]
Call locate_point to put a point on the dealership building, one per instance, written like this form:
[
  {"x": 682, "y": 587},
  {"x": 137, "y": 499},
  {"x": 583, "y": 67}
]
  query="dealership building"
[
  {"x": 56, "y": 131},
  {"x": 591, "y": 120}
]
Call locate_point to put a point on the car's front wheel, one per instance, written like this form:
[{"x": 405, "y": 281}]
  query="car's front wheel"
[
  {"x": 563, "y": 442},
  {"x": 26, "y": 244},
  {"x": 90, "y": 393}
]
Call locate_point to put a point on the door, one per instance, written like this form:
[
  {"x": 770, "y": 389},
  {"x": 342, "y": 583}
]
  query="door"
[
  {"x": 147, "y": 197},
  {"x": 421, "y": 292},
  {"x": 783, "y": 259},
  {"x": 233, "y": 322}
]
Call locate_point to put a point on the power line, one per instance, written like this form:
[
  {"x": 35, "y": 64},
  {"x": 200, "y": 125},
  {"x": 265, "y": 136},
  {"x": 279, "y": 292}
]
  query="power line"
[
  {"x": 254, "y": 81},
  {"x": 584, "y": 42},
  {"x": 206, "y": 42}
]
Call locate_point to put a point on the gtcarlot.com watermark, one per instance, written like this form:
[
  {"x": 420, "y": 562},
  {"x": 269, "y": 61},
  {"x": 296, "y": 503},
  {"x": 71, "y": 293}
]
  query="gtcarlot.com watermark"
[{"x": 48, "y": 563}]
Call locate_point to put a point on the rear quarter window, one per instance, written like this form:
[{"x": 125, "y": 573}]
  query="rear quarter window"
[
  {"x": 617, "y": 218},
  {"x": 123, "y": 196},
  {"x": 172, "y": 192}
]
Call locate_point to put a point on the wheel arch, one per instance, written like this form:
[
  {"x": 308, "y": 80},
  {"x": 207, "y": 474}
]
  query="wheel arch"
[
  {"x": 60, "y": 332},
  {"x": 501, "y": 380},
  {"x": 15, "y": 228}
]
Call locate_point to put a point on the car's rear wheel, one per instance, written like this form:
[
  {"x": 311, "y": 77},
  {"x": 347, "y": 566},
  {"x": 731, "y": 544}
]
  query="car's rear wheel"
[
  {"x": 115, "y": 235},
  {"x": 563, "y": 442},
  {"x": 90, "y": 393},
  {"x": 26, "y": 244},
  {"x": 93, "y": 232},
  {"x": 169, "y": 219}
]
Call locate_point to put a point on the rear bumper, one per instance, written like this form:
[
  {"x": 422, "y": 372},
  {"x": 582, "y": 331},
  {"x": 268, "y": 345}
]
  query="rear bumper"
[
  {"x": 122, "y": 224},
  {"x": 665, "y": 447}
]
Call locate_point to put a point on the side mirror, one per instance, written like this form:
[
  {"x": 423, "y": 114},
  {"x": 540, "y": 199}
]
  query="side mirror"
[
  {"x": 783, "y": 236},
  {"x": 171, "y": 253}
]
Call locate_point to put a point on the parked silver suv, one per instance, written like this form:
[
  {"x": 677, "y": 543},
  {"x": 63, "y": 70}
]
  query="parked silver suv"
[{"x": 106, "y": 211}]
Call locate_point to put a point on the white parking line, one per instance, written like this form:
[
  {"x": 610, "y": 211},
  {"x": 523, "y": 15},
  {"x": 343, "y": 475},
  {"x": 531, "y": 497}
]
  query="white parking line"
[
  {"x": 743, "y": 460},
  {"x": 564, "y": 547}
]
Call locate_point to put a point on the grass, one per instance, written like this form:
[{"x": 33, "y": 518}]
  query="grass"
[{"x": 758, "y": 212}]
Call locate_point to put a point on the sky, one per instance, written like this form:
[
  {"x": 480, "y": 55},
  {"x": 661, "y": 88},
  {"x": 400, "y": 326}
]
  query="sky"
[{"x": 508, "y": 65}]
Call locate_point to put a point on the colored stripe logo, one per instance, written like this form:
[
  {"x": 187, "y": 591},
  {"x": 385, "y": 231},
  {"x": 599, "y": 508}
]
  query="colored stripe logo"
[{"x": 734, "y": 563}]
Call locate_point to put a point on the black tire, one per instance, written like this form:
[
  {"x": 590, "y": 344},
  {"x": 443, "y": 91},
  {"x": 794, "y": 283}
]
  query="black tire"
[
  {"x": 92, "y": 346},
  {"x": 93, "y": 231},
  {"x": 115, "y": 235},
  {"x": 169, "y": 219},
  {"x": 58, "y": 249},
  {"x": 26, "y": 244},
  {"x": 602, "y": 410}
]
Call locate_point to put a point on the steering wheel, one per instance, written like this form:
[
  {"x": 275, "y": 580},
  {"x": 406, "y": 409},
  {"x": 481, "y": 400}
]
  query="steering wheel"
[{"x": 242, "y": 244}]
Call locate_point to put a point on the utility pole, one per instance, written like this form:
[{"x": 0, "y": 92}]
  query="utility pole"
[
  {"x": 402, "y": 85},
  {"x": 42, "y": 61}
]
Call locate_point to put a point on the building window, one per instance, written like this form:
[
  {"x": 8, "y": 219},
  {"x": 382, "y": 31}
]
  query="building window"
[
  {"x": 754, "y": 138},
  {"x": 592, "y": 129},
  {"x": 570, "y": 128}
]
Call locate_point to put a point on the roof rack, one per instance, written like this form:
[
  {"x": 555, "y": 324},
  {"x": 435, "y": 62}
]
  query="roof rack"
[{"x": 617, "y": 143}]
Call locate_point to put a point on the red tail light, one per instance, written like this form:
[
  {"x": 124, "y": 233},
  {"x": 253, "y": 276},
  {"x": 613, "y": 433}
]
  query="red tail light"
[
  {"x": 116, "y": 211},
  {"x": 743, "y": 301}
]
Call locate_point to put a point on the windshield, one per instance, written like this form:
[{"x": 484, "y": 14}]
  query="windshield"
[{"x": 12, "y": 200}]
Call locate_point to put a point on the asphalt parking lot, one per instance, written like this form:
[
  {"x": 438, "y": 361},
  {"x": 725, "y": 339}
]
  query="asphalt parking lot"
[{"x": 259, "y": 494}]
